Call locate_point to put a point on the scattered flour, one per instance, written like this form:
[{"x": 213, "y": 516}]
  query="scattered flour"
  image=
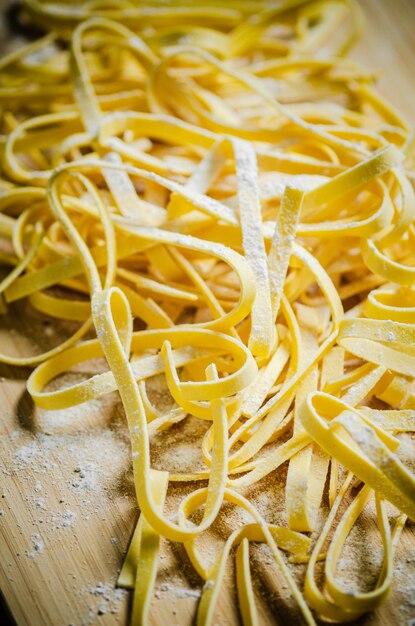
[
  {"x": 179, "y": 592},
  {"x": 105, "y": 599},
  {"x": 38, "y": 545}
]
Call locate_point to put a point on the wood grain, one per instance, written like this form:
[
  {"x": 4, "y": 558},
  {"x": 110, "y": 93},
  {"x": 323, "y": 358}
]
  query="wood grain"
[{"x": 67, "y": 504}]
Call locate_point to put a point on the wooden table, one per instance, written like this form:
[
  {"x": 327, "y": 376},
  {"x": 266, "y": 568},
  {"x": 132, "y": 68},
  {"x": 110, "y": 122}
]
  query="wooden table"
[{"x": 66, "y": 498}]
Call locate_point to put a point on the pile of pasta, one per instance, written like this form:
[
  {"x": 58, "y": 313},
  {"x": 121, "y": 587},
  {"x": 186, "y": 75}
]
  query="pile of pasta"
[{"x": 214, "y": 193}]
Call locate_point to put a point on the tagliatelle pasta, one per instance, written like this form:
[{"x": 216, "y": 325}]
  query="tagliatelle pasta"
[{"x": 215, "y": 194}]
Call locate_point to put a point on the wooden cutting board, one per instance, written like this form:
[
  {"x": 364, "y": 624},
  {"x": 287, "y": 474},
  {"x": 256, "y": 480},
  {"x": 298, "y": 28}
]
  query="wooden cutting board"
[{"x": 67, "y": 506}]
